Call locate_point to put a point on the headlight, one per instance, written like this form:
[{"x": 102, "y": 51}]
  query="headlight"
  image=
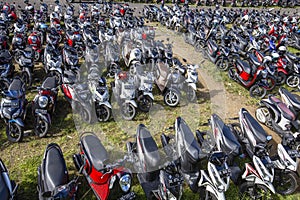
[
  {"x": 125, "y": 182},
  {"x": 43, "y": 101}
]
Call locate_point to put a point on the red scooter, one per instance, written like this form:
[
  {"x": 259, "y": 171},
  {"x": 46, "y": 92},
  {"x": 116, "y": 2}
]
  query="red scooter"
[
  {"x": 108, "y": 181},
  {"x": 35, "y": 40}
]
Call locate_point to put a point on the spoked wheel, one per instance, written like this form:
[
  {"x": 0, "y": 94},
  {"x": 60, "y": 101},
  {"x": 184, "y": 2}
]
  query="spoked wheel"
[
  {"x": 285, "y": 183},
  {"x": 144, "y": 103},
  {"x": 103, "y": 113},
  {"x": 26, "y": 78},
  {"x": 171, "y": 98},
  {"x": 14, "y": 132},
  {"x": 262, "y": 114},
  {"x": 293, "y": 81},
  {"x": 222, "y": 64},
  {"x": 254, "y": 191},
  {"x": 128, "y": 111},
  {"x": 257, "y": 91},
  {"x": 41, "y": 127}
]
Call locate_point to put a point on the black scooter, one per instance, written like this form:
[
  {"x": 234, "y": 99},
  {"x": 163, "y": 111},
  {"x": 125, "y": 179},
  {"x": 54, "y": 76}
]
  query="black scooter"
[
  {"x": 8, "y": 188},
  {"x": 53, "y": 178}
]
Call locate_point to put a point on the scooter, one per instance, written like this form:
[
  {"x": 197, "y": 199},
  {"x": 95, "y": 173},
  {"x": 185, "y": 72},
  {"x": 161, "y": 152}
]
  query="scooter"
[
  {"x": 291, "y": 100},
  {"x": 158, "y": 180},
  {"x": 107, "y": 180},
  {"x": 8, "y": 188},
  {"x": 13, "y": 109},
  {"x": 53, "y": 177},
  {"x": 43, "y": 105}
]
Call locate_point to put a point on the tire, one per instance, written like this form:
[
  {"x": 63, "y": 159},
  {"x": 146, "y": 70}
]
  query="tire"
[
  {"x": 41, "y": 127},
  {"x": 208, "y": 196},
  {"x": 222, "y": 64},
  {"x": 293, "y": 81},
  {"x": 262, "y": 114},
  {"x": 231, "y": 73},
  {"x": 199, "y": 45},
  {"x": 191, "y": 94},
  {"x": 14, "y": 132},
  {"x": 37, "y": 56},
  {"x": 250, "y": 190},
  {"x": 281, "y": 78},
  {"x": 270, "y": 83},
  {"x": 103, "y": 113},
  {"x": 285, "y": 182},
  {"x": 4, "y": 85},
  {"x": 26, "y": 78},
  {"x": 257, "y": 92},
  {"x": 128, "y": 111},
  {"x": 86, "y": 115},
  {"x": 144, "y": 103},
  {"x": 171, "y": 98}
]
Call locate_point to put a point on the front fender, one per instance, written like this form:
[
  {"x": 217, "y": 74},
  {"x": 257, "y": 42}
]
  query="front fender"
[
  {"x": 45, "y": 117},
  {"x": 193, "y": 85},
  {"x": 148, "y": 94},
  {"x": 213, "y": 190},
  {"x": 106, "y": 103},
  {"x": 18, "y": 121},
  {"x": 131, "y": 102},
  {"x": 269, "y": 185}
]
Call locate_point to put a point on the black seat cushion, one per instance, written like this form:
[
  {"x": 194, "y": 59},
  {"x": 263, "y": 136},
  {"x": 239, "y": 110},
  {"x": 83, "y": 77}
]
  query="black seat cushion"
[
  {"x": 291, "y": 97},
  {"x": 4, "y": 192},
  {"x": 147, "y": 149},
  {"x": 229, "y": 141},
  {"x": 55, "y": 169},
  {"x": 16, "y": 84},
  {"x": 258, "y": 132},
  {"x": 49, "y": 83},
  {"x": 94, "y": 150},
  {"x": 187, "y": 141},
  {"x": 254, "y": 60}
]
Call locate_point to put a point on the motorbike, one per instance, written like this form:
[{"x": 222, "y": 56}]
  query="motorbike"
[
  {"x": 53, "y": 62},
  {"x": 112, "y": 58},
  {"x": 53, "y": 177},
  {"x": 35, "y": 41},
  {"x": 78, "y": 95},
  {"x": 124, "y": 92},
  {"x": 9, "y": 188},
  {"x": 255, "y": 77},
  {"x": 276, "y": 115},
  {"x": 43, "y": 105},
  {"x": 25, "y": 59},
  {"x": 107, "y": 180},
  {"x": 7, "y": 69},
  {"x": 100, "y": 95},
  {"x": 13, "y": 109},
  {"x": 291, "y": 100},
  {"x": 158, "y": 180},
  {"x": 70, "y": 58}
]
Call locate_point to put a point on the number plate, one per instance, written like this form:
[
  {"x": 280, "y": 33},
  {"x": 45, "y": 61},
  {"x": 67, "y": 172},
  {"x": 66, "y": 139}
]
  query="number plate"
[
  {"x": 26, "y": 60},
  {"x": 41, "y": 111},
  {"x": 128, "y": 196}
]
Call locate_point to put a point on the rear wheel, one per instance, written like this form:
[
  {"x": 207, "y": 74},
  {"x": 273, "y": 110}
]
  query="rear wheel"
[
  {"x": 128, "y": 111},
  {"x": 86, "y": 115},
  {"x": 26, "y": 78},
  {"x": 293, "y": 81},
  {"x": 103, "y": 113},
  {"x": 249, "y": 190},
  {"x": 257, "y": 92},
  {"x": 41, "y": 127},
  {"x": 281, "y": 78},
  {"x": 222, "y": 64},
  {"x": 285, "y": 182},
  {"x": 171, "y": 98},
  {"x": 14, "y": 132},
  {"x": 144, "y": 103}
]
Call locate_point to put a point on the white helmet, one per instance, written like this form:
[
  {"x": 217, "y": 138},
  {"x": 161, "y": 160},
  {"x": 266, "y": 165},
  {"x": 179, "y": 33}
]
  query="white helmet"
[{"x": 282, "y": 50}]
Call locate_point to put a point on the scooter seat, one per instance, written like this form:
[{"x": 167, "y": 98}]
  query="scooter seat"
[
  {"x": 55, "y": 169},
  {"x": 254, "y": 60},
  {"x": 286, "y": 112},
  {"x": 291, "y": 97},
  {"x": 147, "y": 148},
  {"x": 187, "y": 140},
  {"x": 292, "y": 56},
  {"x": 4, "y": 192},
  {"x": 49, "y": 83},
  {"x": 94, "y": 151},
  {"x": 16, "y": 84},
  {"x": 258, "y": 132},
  {"x": 244, "y": 65}
]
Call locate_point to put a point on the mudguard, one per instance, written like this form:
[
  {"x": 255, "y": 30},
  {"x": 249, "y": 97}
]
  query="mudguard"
[
  {"x": 18, "y": 121},
  {"x": 213, "y": 190},
  {"x": 45, "y": 117},
  {"x": 193, "y": 85},
  {"x": 106, "y": 103},
  {"x": 131, "y": 102},
  {"x": 148, "y": 94}
]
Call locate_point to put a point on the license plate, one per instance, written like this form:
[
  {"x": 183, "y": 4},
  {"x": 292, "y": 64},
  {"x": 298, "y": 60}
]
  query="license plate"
[
  {"x": 128, "y": 196},
  {"x": 27, "y": 60},
  {"x": 41, "y": 111}
]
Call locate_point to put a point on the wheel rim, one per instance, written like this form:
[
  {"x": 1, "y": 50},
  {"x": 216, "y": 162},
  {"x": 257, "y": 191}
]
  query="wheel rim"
[
  {"x": 285, "y": 184},
  {"x": 293, "y": 81},
  {"x": 172, "y": 98},
  {"x": 258, "y": 92},
  {"x": 191, "y": 94},
  {"x": 14, "y": 131},
  {"x": 41, "y": 127},
  {"x": 145, "y": 103},
  {"x": 102, "y": 113},
  {"x": 128, "y": 111},
  {"x": 222, "y": 64}
]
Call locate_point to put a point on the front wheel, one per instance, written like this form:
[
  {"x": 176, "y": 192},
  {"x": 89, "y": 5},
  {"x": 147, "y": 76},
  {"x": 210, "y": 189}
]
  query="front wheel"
[
  {"x": 103, "y": 113},
  {"x": 86, "y": 115},
  {"x": 281, "y": 78},
  {"x": 285, "y": 182},
  {"x": 293, "y": 81},
  {"x": 14, "y": 132},
  {"x": 172, "y": 98},
  {"x": 249, "y": 190},
  {"x": 41, "y": 127},
  {"x": 222, "y": 64},
  {"x": 191, "y": 94},
  {"x": 128, "y": 111},
  {"x": 257, "y": 92},
  {"x": 262, "y": 114},
  {"x": 144, "y": 103}
]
